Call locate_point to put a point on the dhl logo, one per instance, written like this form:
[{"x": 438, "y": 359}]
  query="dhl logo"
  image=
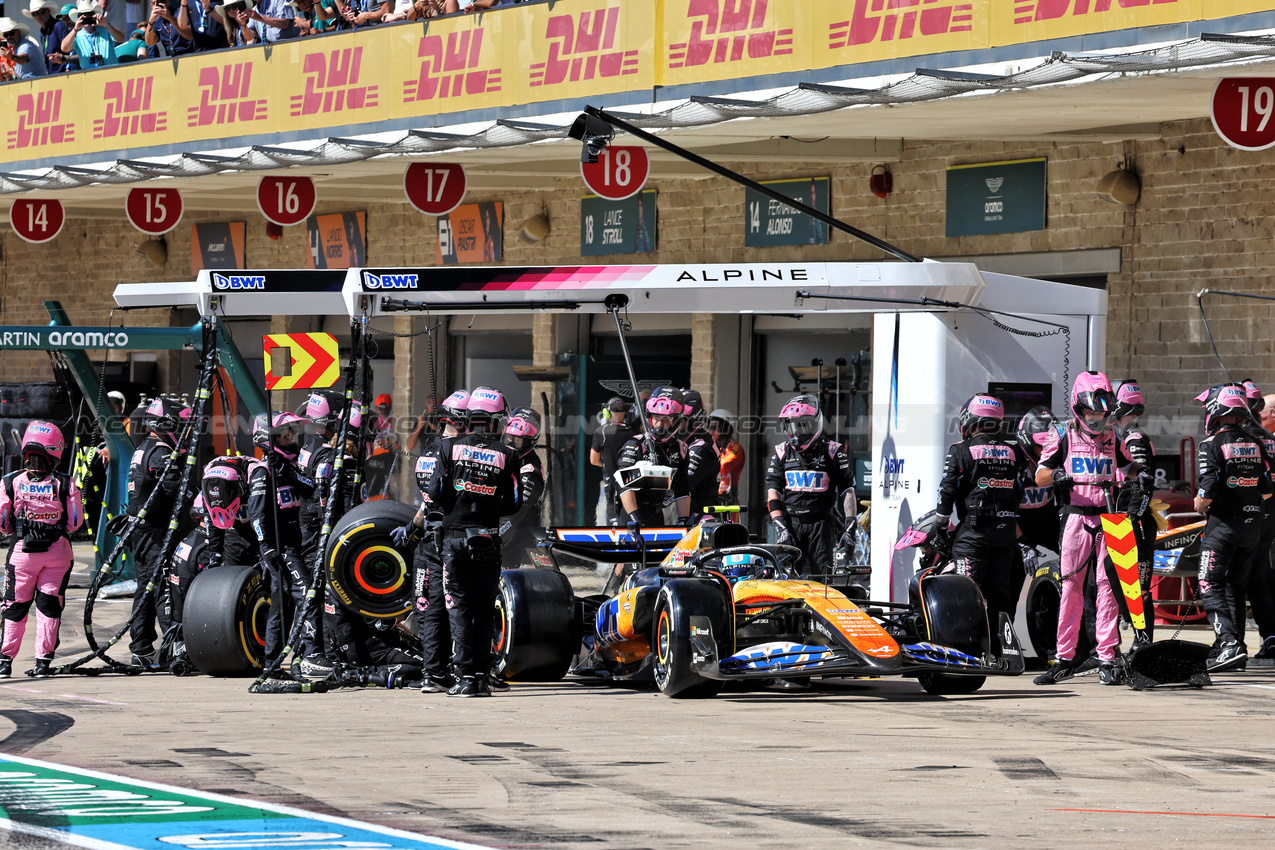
[
  {"x": 332, "y": 83},
  {"x": 128, "y": 110},
  {"x": 1049, "y": 10},
  {"x": 223, "y": 97},
  {"x": 583, "y": 50},
  {"x": 38, "y": 123},
  {"x": 887, "y": 20},
  {"x": 729, "y": 31},
  {"x": 451, "y": 69}
]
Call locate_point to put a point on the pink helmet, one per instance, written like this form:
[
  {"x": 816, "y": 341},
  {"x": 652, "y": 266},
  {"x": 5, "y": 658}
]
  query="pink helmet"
[
  {"x": 486, "y": 409},
  {"x": 42, "y": 446},
  {"x": 982, "y": 414},
  {"x": 164, "y": 417},
  {"x": 267, "y": 430},
  {"x": 1254, "y": 396},
  {"x": 454, "y": 409},
  {"x": 1092, "y": 391},
  {"x": 1221, "y": 401},
  {"x": 1129, "y": 399},
  {"x": 324, "y": 407},
  {"x": 222, "y": 490},
  {"x": 666, "y": 401},
  {"x": 801, "y": 420},
  {"x": 522, "y": 429}
]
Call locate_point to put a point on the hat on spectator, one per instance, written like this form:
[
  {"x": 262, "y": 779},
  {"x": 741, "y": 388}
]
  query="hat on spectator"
[
  {"x": 37, "y": 5},
  {"x": 248, "y": 5},
  {"x": 8, "y": 25},
  {"x": 68, "y": 11},
  {"x": 88, "y": 7}
]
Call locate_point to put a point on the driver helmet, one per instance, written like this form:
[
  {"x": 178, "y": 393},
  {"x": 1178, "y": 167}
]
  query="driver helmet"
[
  {"x": 486, "y": 410},
  {"x": 454, "y": 410},
  {"x": 164, "y": 417},
  {"x": 801, "y": 420},
  {"x": 1091, "y": 393},
  {"x": 693, "y": 410},
  {"x": 1129, "y": 400},
  {"x": 1221, "y": 402},
  {"x": 737, "y": 567},
  {"x": 1254, "y": 396},
  {"x": 1033, "y": 430},
  {"x": 268, "y": 433},
  {"x": 324, "y": 408},
  {"x": 42, "y": 446},
  {"x": 222, "y": 488},
  {"x": 982, "y": 414},
  {"x": 522, "y": 429},
  {"x": 665, "y": 401}
]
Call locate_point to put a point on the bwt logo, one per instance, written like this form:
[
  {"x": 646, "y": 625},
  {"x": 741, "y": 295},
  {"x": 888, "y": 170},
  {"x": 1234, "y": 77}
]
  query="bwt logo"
[
  {"x": 806, "y": 481},
  {"x": 38, "y": 123},
  {"x": 1049, "y": 10},
  {"x": 389, "y": 281},
  {"x": 223, "y": 97},
  {"x": 450, "y": 70},
  {"x": 583, "y": 51},
  {"x": 237, "y": 282},
  {"x": 887, "y": 20},
  {"x": 1093, "y": 466},
  {"x": 731, "y": 30},
  {"x": 332, "y": 83},
  {"x": 128, "y": 104}
]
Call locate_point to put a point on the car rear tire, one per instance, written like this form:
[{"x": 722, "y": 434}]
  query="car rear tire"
[
  {"x": 365, "y": 571},
  {"x": 536, "y": 631},
  {"x": 1044, "y": 596},
  {"x": 225, "y": 621},
  {"x": 680, "y": 600}
]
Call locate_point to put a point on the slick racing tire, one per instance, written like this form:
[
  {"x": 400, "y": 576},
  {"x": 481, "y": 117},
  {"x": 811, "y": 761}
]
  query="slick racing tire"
[
  {"x": 365, "y": 571},
  {"x": 536, "y": 634},
  {"x": 678, "y": 602},
  {"x": 945, "y": 684},
  {"x": 956, "y": 615},
  {"x": 225, "y": 621},
  {"x": 1044, "y": 597}
]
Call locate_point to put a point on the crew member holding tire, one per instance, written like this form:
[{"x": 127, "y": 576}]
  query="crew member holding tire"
[
  {"x": 424, "y": 533},
  {"x": 41, "y": 506},
  {"x": 227, "y": 536},
  {"x": 1081, "y": 464},
  {"x": 981, "y": 480},
  {"x": 808, "y": 476},
  {"x": 474, "y": 485},
  {"x": 150, "y": 469},
  {"x": 641, "y": 504},
  {"x": 275, "y": 490},
  {"x": 1137, "y": 490},
  {"x": 1233, "y": 483},
  {"x": 521, "y": 433},
  {"x": 703, "y": 466}
]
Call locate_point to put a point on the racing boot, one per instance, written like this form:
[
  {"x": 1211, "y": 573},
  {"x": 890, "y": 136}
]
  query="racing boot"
[
  {"x": 1061, "y": 669},
  {"x": 1084, "y": 668},
  {"x": 147, "y": 661},
  {"x": 496, "y": 683},
  {"x": 6, "y": 667},
  {"x": 1111, "y": 673},
  {"x": 1265, "y": 656},
  {"x": 41, "y": 669},
  {"x": 437, "y": 684},
  {"x": 1233, "y": 656},
  {"x": 470, "y": 686},
  {"x": 312, "y": 667}
]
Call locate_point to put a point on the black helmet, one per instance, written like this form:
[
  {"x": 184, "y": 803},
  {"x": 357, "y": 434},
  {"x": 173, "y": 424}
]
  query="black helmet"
[
  {"x": 1034, "y": 428},
  {"x": 693, "y": 410},
  {"x": 802, "y": 420},
  {"x": 164, "y": 417}
]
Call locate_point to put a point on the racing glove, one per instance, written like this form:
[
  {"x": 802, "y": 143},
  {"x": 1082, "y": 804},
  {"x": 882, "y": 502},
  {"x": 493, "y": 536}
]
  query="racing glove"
[
  {"x": 783, "y": 537},
  {"x": 850, "y": 534},
  {"x": 407, "y": 535},
  {"x": 1031, "y": 559},
  {"x": 635, "y": 526},
  {"x": 942, "y": 539}
]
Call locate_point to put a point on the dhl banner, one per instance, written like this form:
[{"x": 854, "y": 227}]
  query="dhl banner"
[{"x": 570, "y": 51}]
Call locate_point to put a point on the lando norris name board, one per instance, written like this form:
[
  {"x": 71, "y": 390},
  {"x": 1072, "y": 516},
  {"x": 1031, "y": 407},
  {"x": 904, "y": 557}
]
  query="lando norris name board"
[
  {"x": 105, "y": 812},
  {"x": 996, "y": 197}
]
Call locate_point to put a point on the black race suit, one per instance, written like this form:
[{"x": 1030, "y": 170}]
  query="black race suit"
[
  {"x": 275, "y": 491},
  {"x": 1134, "y": 499},
  {"x": 145, "y": 474},
  {"x": 432, "y": 625},
  {"x": 650, "y": 503},
  {"x": 811, "y": 484},
  {"x": 521, "y": 536},
  {"x": 1232, "y": 472},
  {"x": 1261, "y": 580},
  {"x": 703, "y": 466},
  {"x": 475, "y": 484},
  {"x": 981, "y": 479}
]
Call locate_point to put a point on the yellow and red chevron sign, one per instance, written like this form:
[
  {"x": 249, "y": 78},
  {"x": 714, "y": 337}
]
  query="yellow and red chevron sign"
[
  {"x": 1123, "y": 549},
  {"x": 312, "y": 361}
]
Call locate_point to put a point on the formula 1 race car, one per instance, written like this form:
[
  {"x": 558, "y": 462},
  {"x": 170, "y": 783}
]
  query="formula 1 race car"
[{"x": 720, "y": 608}]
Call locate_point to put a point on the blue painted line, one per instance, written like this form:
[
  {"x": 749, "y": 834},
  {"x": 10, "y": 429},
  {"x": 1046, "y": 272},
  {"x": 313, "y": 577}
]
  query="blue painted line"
[{"x": 102, "y": 811}]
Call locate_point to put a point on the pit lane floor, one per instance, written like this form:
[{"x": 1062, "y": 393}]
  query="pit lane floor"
[{"x": 574, "y": 764}]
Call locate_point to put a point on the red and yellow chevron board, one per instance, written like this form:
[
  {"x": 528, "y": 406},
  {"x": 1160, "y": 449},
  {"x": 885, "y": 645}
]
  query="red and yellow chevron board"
[
  {"x": 311, "y": 357},
  {"x": 1123, "y": 549}
]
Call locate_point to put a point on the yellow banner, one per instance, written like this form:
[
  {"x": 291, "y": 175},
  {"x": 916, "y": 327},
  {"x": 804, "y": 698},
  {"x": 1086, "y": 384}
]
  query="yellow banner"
[{"x": 570, "y": 51}]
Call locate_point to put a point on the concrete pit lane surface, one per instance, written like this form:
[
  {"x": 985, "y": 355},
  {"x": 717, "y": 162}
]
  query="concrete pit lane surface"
[{"x": 580, "y": 764}]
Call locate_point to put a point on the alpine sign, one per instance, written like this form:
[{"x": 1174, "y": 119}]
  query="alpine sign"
[
  {"x": 286, "y": 200},
  {"x": 619, "y": 173},
  {"x": 1243, "y": 112},
  {"x": 37, "y": 219},
  {"x": 153, "y": 211}
]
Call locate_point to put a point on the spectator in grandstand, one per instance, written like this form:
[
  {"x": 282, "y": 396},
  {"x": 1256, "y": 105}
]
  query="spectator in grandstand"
[
  {"x": 273, "y": 21},
  {"x": 305, "y": 16},
  {"x": 91, "y": 38},
  {"x": 369, "y": 12},
  {"x": 168, "y": 28},
  {"x": 133, "y": 49},
  {"x": 235, "y": 18},
  {"x": 115, "y": 15},
  {"x": 24, "y": 52},
  {"x": 432, "y": 9},
  {"x": 208, "y": 29},
  {"x": 50, "y": 34},
  {"x": 483, "y": 5},
  {"x": 327, "y": 17}
]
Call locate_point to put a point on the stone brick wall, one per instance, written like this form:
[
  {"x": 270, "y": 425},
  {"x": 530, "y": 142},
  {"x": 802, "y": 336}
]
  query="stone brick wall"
[{"x": 1203, "y": 220}]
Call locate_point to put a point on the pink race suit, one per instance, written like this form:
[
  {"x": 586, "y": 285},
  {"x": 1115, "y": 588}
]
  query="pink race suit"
[
  {"x": 36, "y": 507},
  {"x": 1089, "y": 462}
]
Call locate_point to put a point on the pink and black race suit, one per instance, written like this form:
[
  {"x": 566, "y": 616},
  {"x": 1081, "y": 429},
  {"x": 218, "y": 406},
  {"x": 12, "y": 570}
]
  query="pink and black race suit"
[{"x": 41, "y": 511}]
